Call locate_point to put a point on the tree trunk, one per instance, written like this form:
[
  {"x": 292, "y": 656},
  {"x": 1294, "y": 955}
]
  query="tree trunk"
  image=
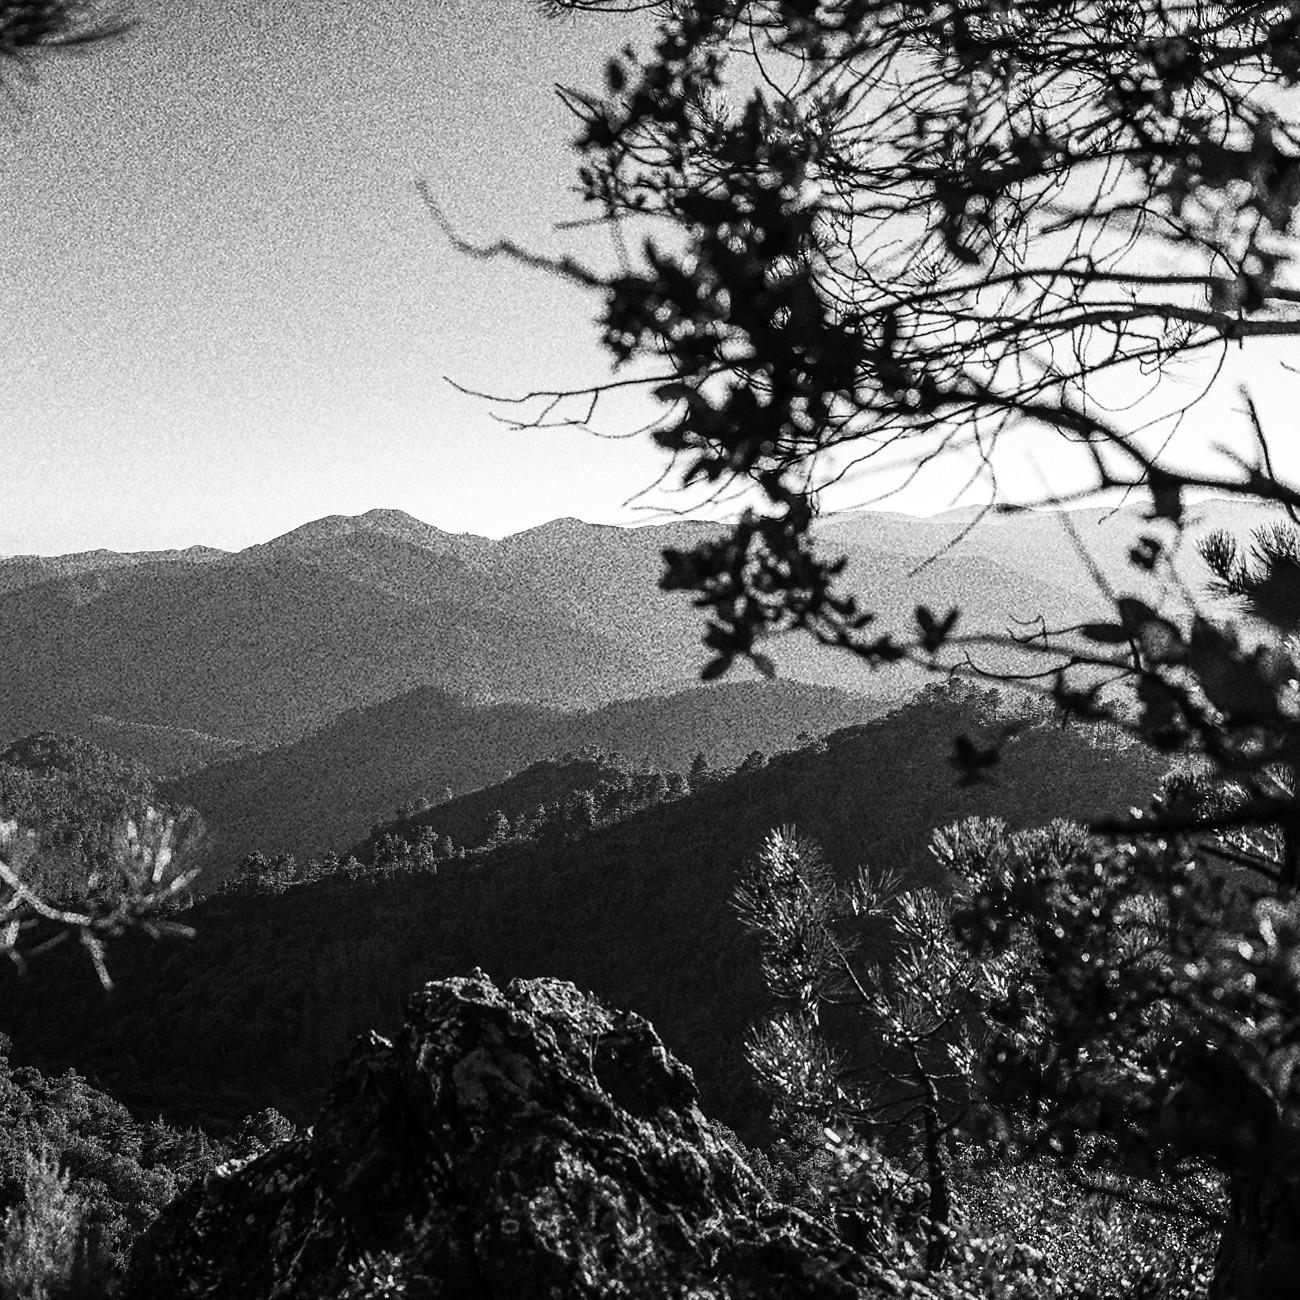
[
  {"x": 1259, "y": 1252},
  {"x": 936, "y": 1170}
]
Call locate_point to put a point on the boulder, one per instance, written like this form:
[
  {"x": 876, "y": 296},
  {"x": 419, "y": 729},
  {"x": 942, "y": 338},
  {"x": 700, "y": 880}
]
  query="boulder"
[{"x": 506, "y": 1145}]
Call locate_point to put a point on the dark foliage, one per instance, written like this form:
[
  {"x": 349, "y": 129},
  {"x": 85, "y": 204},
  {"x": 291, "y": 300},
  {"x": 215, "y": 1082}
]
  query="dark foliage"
[
  {"x": 251, "y": 1012},
  {"x": 106, "y": 1175},
  {"x": 557, "y": 800},
  {"x": 29, "y": 26},
  {"x": 327, "y": 790},
  {"x": 1145, "y": 1024}
]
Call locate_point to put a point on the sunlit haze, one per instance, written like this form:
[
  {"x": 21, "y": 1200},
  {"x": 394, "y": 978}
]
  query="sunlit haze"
[{"x": 228, "y": 311}]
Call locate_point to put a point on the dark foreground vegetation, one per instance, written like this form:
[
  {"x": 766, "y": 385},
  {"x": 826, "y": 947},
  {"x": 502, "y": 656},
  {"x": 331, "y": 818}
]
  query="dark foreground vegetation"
[
  {"x": 950, "y": 1043},
  {"x": 624, "y": 881}
]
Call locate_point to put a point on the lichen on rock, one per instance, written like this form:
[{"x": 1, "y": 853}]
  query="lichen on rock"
[{"x": 506, "y": 1145}]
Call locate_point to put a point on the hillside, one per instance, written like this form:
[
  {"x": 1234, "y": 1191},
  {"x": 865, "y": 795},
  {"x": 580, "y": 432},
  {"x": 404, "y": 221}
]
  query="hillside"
[
  {"x": 254, "y": 1009},
  {"x": 67, "y": 803},
  {"x": 1059, "y": 548},
  {"x": 262, "y": 649},
  {"x": 325, "y": 791},
  {"x": 184, "y": 658},
  {"x": 551, "y": 800}
]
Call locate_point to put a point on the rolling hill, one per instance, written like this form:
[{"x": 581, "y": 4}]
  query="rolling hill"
[
  {"x": 187, "y": 657},
  {"x": 253, "y": 1011},
  {"x": 260, "y": 649},
  {"x": 325, "y": 791}
]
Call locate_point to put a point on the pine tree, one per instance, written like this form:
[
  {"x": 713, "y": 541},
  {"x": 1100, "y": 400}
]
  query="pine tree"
[
  {"x": 45, "y": 1252},
  {"x": 578, "y": 814},
  {"x": 498, "y": 828},
  {"x": 915, "y": 1011}
]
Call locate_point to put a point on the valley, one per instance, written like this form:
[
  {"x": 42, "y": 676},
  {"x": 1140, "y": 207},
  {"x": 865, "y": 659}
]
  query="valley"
[{"x": 394, "y": 756}]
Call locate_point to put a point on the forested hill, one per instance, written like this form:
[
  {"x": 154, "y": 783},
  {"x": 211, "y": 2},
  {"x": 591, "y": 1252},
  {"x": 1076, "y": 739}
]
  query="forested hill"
[
  {"x": 181, "y": 658},
  {"x": 263, "y": 650},
  {"x": 253, "y": 1011},
  {"x": 67, "y": 803},
  {"x": 260, "y": 646},
  {"x": 325, "y": 791}
]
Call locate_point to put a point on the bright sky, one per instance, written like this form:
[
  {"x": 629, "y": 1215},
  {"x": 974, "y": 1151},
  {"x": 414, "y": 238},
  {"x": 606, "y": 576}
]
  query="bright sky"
[{"x": 227, "y": 312}]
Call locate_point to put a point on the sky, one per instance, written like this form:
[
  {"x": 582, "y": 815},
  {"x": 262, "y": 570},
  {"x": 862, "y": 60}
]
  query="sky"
[{"x": 227, "y": 310}]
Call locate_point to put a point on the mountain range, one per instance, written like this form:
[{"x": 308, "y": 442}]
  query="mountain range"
[
  {"x": 418, "y": 753},
  {"x": 260, "y": 646},
  {"x": 181, "y": 658}
]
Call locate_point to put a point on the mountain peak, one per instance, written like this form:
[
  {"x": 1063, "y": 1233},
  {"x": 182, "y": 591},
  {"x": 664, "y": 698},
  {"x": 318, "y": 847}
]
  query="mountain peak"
[
  {"x": 564, "y": 531},
  {"x": 378, "y": 522},
  {"x": 391, "y": 518},
  {"x": 567, "y": 524}
]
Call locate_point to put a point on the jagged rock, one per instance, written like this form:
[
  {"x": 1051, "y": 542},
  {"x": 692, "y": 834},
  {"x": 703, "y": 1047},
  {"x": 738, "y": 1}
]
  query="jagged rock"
[{"x": 505, "y": 1146}]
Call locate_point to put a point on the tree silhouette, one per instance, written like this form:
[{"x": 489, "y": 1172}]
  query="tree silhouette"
[
  {"x": 875, "y": 229},
  {"x": 913, "y": 1013},
  {"x": 1264, "y": 577},
  {"x": 879, "y": 229},
  {"x": 28, "y": 26}
]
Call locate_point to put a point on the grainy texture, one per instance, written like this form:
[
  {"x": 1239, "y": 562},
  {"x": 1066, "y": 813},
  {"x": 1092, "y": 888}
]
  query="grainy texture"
[{"x": 506, "y": 1145}]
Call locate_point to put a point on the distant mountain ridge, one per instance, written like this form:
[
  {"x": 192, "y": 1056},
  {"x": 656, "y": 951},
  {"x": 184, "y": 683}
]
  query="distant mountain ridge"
[
  {"x": 1060, "y": 547},
  {"x": 186, "y": 655},
  {"x": 264, "y": 644},
  {"x": 980, "y": 530},
  {"x": 19, "y": 571}
]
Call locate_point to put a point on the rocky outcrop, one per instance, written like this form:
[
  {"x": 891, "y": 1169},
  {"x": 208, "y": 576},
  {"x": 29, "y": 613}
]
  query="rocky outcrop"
[{"x": 507, "y": 1145}]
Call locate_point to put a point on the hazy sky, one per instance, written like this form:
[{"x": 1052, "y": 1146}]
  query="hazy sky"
[{"x": 227, "y": 312}]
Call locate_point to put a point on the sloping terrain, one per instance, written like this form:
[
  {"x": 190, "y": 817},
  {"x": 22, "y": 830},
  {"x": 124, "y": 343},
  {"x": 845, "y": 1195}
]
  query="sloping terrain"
[
  {"x": 188, "y": 656},
  {"x": 254, "y": 1009},
  {"x": 1065, "y": 549},
  {"x": 261, "y": 650},
  {"x": 325, "y": 791}
]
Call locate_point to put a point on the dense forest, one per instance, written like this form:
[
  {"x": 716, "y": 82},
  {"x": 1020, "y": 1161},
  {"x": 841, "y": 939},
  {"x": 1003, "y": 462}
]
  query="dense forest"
[
  {"x": 583, "y": 868},
  {"x": 783, "y": 898},
  {"x": 588, "y": 867}
]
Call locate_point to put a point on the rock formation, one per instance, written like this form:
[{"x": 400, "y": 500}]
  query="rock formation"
[{"x": 507, "y": 1145}]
